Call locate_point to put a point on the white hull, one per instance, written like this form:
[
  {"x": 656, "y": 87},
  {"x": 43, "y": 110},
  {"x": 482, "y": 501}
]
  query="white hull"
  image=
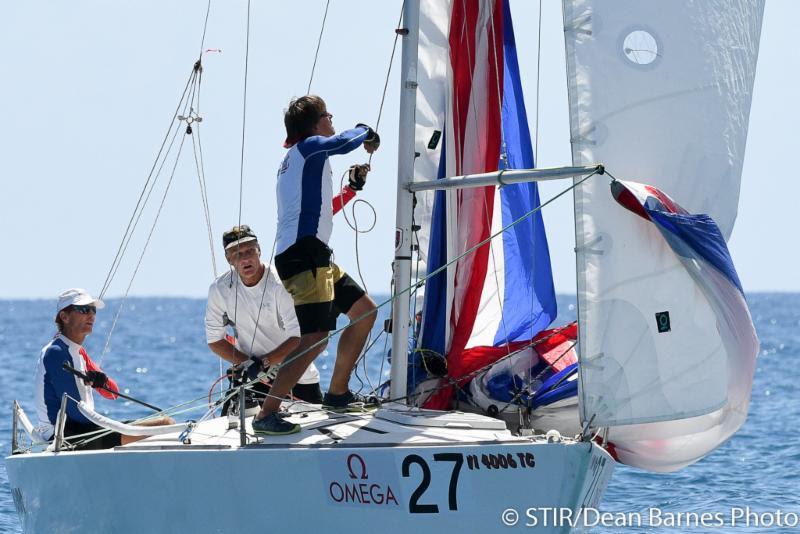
[{"x": 339, "y": 474}]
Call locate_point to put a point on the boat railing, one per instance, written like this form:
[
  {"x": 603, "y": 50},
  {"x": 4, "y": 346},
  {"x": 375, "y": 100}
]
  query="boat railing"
[
  {"x": 61, "y": 420},
  {"x": 21, "y": 424}
]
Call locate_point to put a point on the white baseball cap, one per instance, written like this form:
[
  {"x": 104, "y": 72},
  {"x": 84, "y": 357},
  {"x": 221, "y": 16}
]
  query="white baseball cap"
[{"x": 78, "y": 297}]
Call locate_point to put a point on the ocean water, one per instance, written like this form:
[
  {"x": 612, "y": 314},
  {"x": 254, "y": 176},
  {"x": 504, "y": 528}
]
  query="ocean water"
[{"x": 158, "y": 353}]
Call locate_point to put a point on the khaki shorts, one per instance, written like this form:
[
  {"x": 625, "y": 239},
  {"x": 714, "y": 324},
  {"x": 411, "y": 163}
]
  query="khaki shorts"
[{"x": 320, "y": 289}]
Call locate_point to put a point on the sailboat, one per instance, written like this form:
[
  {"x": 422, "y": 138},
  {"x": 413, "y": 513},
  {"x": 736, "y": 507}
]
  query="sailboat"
[{"x": 659, "y": 104}]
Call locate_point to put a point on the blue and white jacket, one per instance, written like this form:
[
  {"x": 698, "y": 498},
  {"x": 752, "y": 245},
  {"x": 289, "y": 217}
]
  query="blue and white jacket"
[
  {"x": 305, "y": 188},
  {"x": 52, "y": 381}
]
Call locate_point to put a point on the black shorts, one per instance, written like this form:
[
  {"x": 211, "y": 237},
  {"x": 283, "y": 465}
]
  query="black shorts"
[
  {"x": 319, "y": 288},
  {"x": 106, "y": 441}
]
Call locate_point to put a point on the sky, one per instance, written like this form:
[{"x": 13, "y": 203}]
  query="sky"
[{"x": 89, "y": 88}]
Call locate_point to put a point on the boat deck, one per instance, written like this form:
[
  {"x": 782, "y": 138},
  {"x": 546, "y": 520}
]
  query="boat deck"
[{"x": 385, "y": 427}]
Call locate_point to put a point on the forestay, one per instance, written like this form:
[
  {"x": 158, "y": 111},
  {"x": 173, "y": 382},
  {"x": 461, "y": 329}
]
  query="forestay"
[{"x": 660, "y": 93}]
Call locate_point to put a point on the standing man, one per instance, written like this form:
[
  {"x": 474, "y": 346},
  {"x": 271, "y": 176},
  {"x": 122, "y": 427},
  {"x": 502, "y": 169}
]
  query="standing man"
[
  {"x": 75, "y": 315},
  {"x": 319, "y": 288},
  {"x": 251, "y": 300}
]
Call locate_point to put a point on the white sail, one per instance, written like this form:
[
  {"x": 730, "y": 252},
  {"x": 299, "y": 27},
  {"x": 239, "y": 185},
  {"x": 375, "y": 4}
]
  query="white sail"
[
  {"x": 660, "y": 93},
  {"x": 431, "y": 107}
]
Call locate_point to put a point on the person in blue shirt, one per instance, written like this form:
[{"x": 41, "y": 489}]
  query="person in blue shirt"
[
  {"x": 320, "y": 289},
  {"x": 75, "y": 315}
]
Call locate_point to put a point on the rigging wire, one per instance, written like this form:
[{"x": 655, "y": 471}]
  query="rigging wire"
[
  {"x": 150, "y": 176},
  {"x": 550, "y": 366},
  {"x": 354, "y": 224},
  {"x": 244, "y": 111},
  {"x": 389, "y": 72},
  {"x": 144, "y": 249},
  {"x": 413, "y": 287},
  {"x": 138, "y": 215},
  {"x": 197, "y": 150},
  {"x": 205, "y": 27},
  {"x": 189, "y": 406},
  {"x": 241, "y": 156},
  {"x": 449, "y": 381},
  {"x": 319, "y": 42},
  {"x": 536, "y": 133},
  {"x": 538, "y": 82},
  {"x": 134, "y": 219}
]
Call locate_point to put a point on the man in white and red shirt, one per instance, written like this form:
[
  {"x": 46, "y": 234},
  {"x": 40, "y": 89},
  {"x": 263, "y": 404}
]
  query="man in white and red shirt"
[{"x": 75, "y": 315}]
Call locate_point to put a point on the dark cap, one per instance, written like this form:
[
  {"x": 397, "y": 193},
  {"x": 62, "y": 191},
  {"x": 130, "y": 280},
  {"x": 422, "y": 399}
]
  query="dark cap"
[{"x": 238, "y": 235}]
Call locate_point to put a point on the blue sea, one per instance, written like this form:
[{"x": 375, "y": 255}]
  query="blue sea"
[{"x": 158, "y": 353}]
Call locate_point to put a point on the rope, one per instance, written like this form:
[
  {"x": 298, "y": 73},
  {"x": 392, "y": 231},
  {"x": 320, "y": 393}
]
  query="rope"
[
  {"x": 388, "y": 73},
  {"x": 449, "y": 381},
  {"x": 454, "y": 382},
  {"x": 354, "y": 226},
  {"x": 538, "y": 375},
  {"x": 319, "y": 42},
  {"x": 413, "y": 287},
  {"x": 175, "y": 410}
]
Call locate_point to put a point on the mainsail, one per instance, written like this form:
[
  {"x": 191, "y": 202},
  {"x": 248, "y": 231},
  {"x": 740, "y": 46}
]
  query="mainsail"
[
  {"x": 660, "y": 94},
  {"x": 471, "y": 119}
]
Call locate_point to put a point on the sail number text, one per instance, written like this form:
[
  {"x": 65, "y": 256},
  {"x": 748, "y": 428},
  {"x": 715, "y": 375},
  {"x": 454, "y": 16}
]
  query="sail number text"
[{"x": 474, "y": 462}]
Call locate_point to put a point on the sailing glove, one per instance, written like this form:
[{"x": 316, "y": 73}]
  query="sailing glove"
[
  {"x": 270, "y": 372},
  {"x": 373, "y": 140},
  {"x": 357, "y": 176},
  {"x": 96, "y": 379},
  {"x": 253, "y": 367}
]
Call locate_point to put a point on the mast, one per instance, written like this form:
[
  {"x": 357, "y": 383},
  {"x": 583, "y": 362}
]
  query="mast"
[{"x": 405, "y": 175}]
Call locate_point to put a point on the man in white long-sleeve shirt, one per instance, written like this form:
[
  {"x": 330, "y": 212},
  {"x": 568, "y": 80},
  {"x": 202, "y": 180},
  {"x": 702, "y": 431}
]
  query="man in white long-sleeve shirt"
[{"x": 251, "y": 301}]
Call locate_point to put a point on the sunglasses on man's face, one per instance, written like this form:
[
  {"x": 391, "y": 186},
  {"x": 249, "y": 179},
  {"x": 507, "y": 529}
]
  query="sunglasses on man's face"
[{"x": 85, "y": 309}]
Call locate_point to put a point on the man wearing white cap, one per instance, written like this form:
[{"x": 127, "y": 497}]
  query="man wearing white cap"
[
  {"x": 251, "y": 302},
  {"x": 75, "y": 315}
]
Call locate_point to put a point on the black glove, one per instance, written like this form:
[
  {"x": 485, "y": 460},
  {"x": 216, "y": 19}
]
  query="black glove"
[
  {"x": 96, "y": 379},
  {"x": 373, "y": 140},
  {"x": 357, "y": 176},
  {"x": 253, "y": 368}
]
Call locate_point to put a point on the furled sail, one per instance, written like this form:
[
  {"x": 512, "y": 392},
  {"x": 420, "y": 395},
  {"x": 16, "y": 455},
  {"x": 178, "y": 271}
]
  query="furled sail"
[
  {"x": 471, "y": 119},
  {"x": 660, "y": 93}
]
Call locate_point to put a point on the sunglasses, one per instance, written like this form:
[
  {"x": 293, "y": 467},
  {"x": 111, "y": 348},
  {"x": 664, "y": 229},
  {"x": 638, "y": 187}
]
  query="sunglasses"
[
  {"x": 328, "y": 115},
  {"x": 85, "y": 309}
]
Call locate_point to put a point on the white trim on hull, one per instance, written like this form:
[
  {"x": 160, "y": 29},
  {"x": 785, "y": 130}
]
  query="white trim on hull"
[{"x": 338, "y": 474}]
